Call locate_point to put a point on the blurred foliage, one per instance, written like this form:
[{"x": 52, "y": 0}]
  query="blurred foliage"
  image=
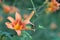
[{"x": 41, "y": 21}]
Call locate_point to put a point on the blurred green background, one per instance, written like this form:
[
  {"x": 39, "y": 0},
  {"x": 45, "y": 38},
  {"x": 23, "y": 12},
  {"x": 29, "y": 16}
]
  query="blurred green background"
[{"x": 41, "y": 20}]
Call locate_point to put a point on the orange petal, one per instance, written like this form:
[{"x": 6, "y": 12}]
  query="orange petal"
[
  {"x": 54, "y": 1},
  {"x": 25, "y": 16},
  {"x": 28, "y": 29},
  {"x": 11, "y": 19},
  {"x": 9, "y": 25},
  {"x": 18, "y": 32},
  {"x": 18, "y": 16},
  {"x": 30, "y": 16},
  {"x": 6, "y": 8},
  {"x": 14, "y": 9},
  {"x": 27, "y": 22},
  {"x": 0, "y": 1}
]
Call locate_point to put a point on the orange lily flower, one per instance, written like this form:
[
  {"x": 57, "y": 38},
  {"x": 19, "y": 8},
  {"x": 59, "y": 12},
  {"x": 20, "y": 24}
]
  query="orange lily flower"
[
  {"x": 9, "y": 9},
  {"x": 53, "y": 6},
  {"x": 18, "y": 25},
  {"x": 56, "y": 1}
]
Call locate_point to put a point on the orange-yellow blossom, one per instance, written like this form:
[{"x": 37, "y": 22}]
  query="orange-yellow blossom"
[
  {"x": 53, "y": 6},
  {"x": 18, "y": 24},
  {"x": 9, "y": 9}
]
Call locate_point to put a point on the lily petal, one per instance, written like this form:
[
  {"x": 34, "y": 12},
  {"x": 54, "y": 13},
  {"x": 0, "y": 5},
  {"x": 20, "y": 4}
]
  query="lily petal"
[
  {"x": 14, "y": 9},
  {"x": 54, "y": 1},
  {"x": 29, "y": 29},
  {"x": 18, "y": 32},
  {"x": 6, "y": 8},
  {"x": 9, "y": 25},
  {"x": 11, "y": 19},
  {"x": 30, "y": 16},
  {"x": 25, "y": 16},
  {"x": 18, "y": 16},
  {"x": 26, "y": 22}
]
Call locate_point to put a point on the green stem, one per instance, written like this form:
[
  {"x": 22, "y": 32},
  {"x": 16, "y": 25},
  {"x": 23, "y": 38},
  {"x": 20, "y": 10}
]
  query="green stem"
[
  {"x": 14, "y": 3},
  {"x": 34, "y": 7},
  {"x": 46, "y": 1}
]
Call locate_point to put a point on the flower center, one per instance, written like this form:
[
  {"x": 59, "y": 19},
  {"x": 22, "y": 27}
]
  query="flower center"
[{"x": 18, "y": 25}]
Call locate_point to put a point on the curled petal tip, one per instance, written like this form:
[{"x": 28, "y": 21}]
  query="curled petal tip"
[
  {"x": 10, "y": 18},
  {"x": 32, "y": 11},
  {"x": 18, "y": 32},
  {"x": 18, "y": 16},
  {"x": 9, "y": 25},
  {"x": 6, "y": 23},
  {"x": 33, "y": 30},
  {"x": 30, "y": 16}
]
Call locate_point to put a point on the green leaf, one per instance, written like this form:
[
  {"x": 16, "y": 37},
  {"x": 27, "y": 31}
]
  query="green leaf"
[{"x": 42, "y": 27}]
